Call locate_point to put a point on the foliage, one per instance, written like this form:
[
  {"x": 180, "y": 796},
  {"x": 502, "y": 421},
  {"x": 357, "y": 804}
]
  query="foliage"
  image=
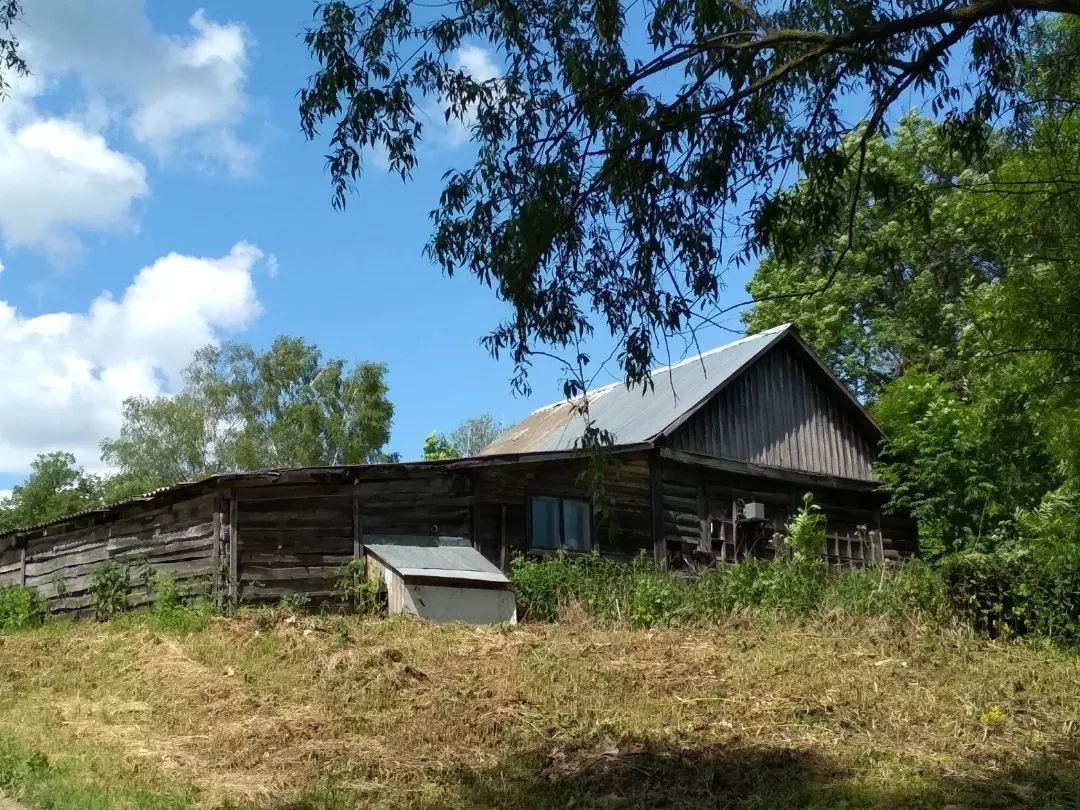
[
  {"x": 110, "y": 586},
  {"x": 1016, "y": 594},
  {"x": 20, "y": 608},
  {"x": 438, "y": 447},
  {"x": 952, "y": 314},
  {"x": 476, "y": 433},
  {"x": 240, "y": 409},
  {"x": 805, "y": 534},
  {"x": 11, "y": 59},
  {"x": 356, "y": 591},
  {"x": 293, "y": 602},
  {"x": 54, "y": 488},
  {"x": 642, "y": 595},
  {"x": 171, "y": 610},
  {"x": 625, "y": 156}
]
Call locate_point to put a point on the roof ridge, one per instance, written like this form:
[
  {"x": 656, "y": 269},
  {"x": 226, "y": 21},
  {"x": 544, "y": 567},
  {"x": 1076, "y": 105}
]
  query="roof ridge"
[{"x": 668, "y": 368}]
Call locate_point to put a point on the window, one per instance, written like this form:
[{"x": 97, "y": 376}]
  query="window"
[{"x": 561, "y": 523}]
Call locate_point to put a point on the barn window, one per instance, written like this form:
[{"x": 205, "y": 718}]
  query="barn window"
[{"x": 561, "y": 523}]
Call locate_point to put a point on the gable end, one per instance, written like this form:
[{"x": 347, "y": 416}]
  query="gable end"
[{"x": 784, "y": 410}]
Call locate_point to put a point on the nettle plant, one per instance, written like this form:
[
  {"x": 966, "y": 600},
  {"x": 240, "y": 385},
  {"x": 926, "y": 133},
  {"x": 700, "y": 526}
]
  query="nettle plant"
[{"x": 110, "y": 586}]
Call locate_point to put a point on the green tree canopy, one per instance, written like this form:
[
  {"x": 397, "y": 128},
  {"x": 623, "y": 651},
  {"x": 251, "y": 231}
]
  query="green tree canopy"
[
  {"x": 628, "y": 153},
  {"x": 54, "y": 488},
  {"x": 437, "y": 447},
  {"x": 954, "y": 315},
  {"x": 241, "y": 409}
]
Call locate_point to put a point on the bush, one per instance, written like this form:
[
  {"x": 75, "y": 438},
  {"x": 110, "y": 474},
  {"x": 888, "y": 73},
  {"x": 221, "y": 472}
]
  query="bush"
[
  {"x": 643, "y": 595},
  {"x": 356, "y": 591},
  {"x": 20, "y": 608},
  {"x": 110, "y": 585},
  {"x": 170, "y": 611},
  {"x": 1016, "y": 594}
]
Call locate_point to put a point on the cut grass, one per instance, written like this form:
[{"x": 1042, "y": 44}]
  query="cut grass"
[{"x": 334, "y": 713}]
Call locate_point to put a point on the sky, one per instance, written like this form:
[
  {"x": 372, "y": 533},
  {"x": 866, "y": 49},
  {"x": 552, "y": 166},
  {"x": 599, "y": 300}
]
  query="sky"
[{"x": 156, "y": 195}]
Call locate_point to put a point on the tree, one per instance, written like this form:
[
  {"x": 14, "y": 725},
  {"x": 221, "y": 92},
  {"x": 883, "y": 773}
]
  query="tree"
[
  {"x": 11, "y": 60},
  {"x": 54, "y": 488},
  {"x": 438, "y": 447},
  {"x": 474, "y": 434},
  {"x": 240, "y": 409},
  {"x": 627, "y": 154},
  {"x": 954, "y": 317}
]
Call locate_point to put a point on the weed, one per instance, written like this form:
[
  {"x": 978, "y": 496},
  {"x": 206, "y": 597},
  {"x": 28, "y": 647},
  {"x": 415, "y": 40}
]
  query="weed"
[
  {"x": 20, "y": 608},
  {"x": 293, "y": 602},
  {"x": 356, "y": 591},
  {"x": 110, "y": 586},
  {"x": 171, "y": 611}
]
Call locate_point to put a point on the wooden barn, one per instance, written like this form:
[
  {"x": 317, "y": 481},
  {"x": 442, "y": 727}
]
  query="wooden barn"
[{"x": 704, "y": 468}]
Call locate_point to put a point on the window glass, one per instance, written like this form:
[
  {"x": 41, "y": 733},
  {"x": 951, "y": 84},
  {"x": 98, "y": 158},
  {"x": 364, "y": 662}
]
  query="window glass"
[
  {"x": 545, "y": 523},
  {"x": 576, "y": 525}
]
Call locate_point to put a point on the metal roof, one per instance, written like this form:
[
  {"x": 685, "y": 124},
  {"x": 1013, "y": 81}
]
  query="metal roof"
[
  {"x": 435, "y": 557},
  {"x": 634, "y": 415}
]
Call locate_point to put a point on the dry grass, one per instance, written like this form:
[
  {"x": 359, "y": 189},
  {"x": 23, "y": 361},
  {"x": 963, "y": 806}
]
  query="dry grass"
[{"x": 340, "y": 713}]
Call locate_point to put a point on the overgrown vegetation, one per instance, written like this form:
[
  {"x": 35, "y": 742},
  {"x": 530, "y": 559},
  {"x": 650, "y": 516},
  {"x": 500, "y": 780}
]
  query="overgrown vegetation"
[
  {"x": 20, "y": 608},
  {"x": 1003, "y": 595},
  {"x": 110, "y": 587},
  {"x": 355, "y": 591}
]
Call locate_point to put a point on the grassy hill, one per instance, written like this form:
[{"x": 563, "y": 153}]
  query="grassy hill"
[{"x": 301, "y": 712}]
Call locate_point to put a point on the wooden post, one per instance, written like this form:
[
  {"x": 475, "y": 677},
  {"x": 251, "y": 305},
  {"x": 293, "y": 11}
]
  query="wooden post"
[
  {"x": 704, "y": 537},
  {"x": 357, "y": 529},
  {"x": 215, "y": 564},
  {"x": 234, "y": 553},
  {"x": 22, "y": 565},
  {"x": 656, "y": 498},
  {"x": 504, "y": 550}
]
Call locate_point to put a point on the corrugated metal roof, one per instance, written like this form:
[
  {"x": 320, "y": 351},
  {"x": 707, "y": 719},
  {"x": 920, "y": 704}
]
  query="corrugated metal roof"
[
  {"x": 638, "y": 414},
  {"x": 449, "y": 558}
]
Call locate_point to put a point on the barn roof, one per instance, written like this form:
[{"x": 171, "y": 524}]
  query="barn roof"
[{"x": 634, "y": 415}]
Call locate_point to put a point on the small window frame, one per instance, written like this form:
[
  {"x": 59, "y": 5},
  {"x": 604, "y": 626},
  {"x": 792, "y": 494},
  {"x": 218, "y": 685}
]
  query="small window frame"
[{"x": 560, "y": 521}]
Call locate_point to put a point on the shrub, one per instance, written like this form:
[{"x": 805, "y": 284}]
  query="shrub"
[
  {"x": 642, "y": 595},
  {"x": 20, "y": 608},
  {"x": 110, "y": 585},
  {"x": 356, "y": 591},
  {"x": 1016, "y": 594},
  {"x": 170, "y": 611}
]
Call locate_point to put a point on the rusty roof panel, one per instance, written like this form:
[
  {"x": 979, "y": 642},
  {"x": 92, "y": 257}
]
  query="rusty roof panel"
[{"x": 638, "y": 414}]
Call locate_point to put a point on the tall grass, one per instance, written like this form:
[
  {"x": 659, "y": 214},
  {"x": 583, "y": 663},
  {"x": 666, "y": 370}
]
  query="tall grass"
[{"x": 642, "y": 595}]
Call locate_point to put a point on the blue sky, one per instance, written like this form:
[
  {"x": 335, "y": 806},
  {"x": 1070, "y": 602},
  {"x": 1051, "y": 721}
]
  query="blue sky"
[{"x": 156, "y": 193}]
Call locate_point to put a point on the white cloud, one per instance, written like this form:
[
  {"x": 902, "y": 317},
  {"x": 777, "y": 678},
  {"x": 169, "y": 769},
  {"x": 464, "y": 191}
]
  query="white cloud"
[
  {"x": 477, "y": 63},
  {"x": 181, "y": 96},
  {"x": 5, "y": 494},
  {"x": 58, "y": 178},
  {"x": 66, "y": 374}
]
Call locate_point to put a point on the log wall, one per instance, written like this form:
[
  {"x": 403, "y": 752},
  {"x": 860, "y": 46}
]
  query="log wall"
[
  {"x": 617, "y": 487},
  {"x": 700, "y": 508},
  {"x": 176, "y": 539},
  {"x": 295, "y": 539}
]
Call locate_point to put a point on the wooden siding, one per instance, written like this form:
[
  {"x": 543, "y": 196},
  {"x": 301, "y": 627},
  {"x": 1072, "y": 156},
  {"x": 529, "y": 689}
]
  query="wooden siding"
[
  {"x": 177, "y": 540},
  {"x": 699, "y": 503},
  {"x": 780, "y": 412},
  {"x": 622, "y": 507},
  {"x": 295, "y": 539}
]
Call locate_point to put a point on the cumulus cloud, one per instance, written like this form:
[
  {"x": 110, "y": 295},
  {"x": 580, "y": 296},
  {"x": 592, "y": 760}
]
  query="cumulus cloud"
[
  {"x": 59, "y": 178},
  {"x": 66, "y": 374},
  {"x": 182, "y": 96}
]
